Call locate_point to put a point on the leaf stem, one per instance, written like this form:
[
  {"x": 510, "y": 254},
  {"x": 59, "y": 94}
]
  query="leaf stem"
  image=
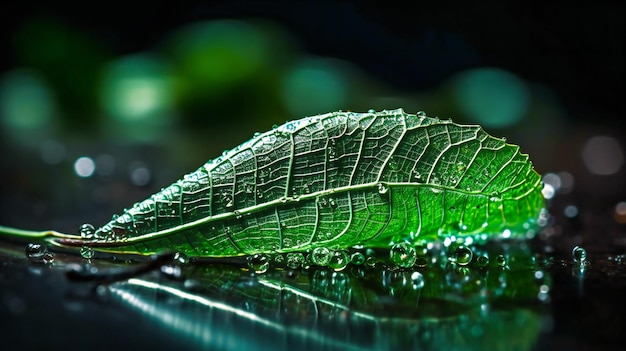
[{"x": 31, "y": 234}]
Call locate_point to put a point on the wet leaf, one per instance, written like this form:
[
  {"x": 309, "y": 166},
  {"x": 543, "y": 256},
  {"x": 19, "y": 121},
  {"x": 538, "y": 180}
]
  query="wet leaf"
[{"x": 337, "y": 180}]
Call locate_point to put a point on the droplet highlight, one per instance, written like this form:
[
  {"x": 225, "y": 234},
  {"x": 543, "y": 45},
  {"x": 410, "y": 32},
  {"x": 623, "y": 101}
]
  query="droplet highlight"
[{"x": 403, "y": 255}]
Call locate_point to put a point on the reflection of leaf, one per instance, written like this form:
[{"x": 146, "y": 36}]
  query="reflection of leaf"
[
  {"x": 337, "y": 180},
  {"x": 222, "y": 307}
]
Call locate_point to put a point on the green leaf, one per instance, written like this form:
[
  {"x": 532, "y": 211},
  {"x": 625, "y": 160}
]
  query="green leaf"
[{"x": 337, "y": 180}]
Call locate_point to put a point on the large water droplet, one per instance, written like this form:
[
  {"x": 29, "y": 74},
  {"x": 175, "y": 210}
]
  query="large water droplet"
[
  {"x": 86, "y": 252},
  {"x": 339, "y": 260},
  {"x": 320, "y": 256},
  {"x": 87, "y": 231},
  {"x": 579, "y": 254},
  {"x": 36, "y": 252},
  {"x": 403, "y": 254},
  {"x": 294, "y": 260},
  {"x": 259, "y": 263},
  {"x": 462, "y": 255}
]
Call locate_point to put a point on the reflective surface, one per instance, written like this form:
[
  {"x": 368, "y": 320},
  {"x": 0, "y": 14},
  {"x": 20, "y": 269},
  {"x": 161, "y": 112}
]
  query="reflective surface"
[{"x": 227, "y": 306}]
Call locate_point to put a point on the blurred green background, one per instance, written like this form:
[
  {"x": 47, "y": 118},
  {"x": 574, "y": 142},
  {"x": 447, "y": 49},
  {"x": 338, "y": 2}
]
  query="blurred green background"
[{"x": 103, "y": 104}]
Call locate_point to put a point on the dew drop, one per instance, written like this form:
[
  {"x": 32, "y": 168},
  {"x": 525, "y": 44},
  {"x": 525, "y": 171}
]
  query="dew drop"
[
  {"x": 421, "y": 114},
  {"x": 181, "y": 258},
  {"x": 332, "y": 202},
  {"x": 579, "y": 254},
  {"x": 417, "y": 280},
  {"x": 403, "y": 254},
  {"x": 48, "y": 257},
  {"x": 294, "y": 260},
  {"x": 339, "y": 260},
  {"x": 259, "y": 263},
  {"x": 36, "y": 252},
  {"x": 501, "y": 261},
  {"x": 87, "y": 231},
  {"x": 462, "y": 255},
  {"x": 103, "y": 233},
  {"x": 357, "y": 258},
  {"x": 86, "y": 252},
  {"x": 382, "y": 188},
  {"x": 482, "y": 261},
  {"x": 279, "y": 261},
  {"x": 421, "y": 256},
  {"x": 320, "y": 256}
]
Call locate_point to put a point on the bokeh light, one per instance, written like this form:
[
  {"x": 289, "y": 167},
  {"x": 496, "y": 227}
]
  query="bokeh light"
[
  {"x": 603, "y": 155},
  {"x": 492, "y": 97},
  {"x": 84, "y": 167},
  {"x": 137, "y": 92},
  {"x": 218, "y": 54},
  {"x": 27, "y": 106},
  {"x": 314, "y": 86},
  {"x": 139, "y": 174},
  {"x": 52, "y": 152}
]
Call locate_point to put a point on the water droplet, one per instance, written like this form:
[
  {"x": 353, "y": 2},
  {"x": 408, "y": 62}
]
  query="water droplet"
[
  {"x": 501, "y": 261},
  {"x": 48, "y": 257},
  {"x": 371, "y": 110},
  {"x": 259, "y": 263},
  {"x": 294, "y": 260},
  {"x": 339, "y": 260},
  {"x": 332, "y": 202},
  {"x": 87, "y": 231},
  {"x": 421, "y": 114},
  {"x": 421, "y": 256},
  {"x": 256, "y": 134},
  {"x": 462, "y": 255},
  {"x": 482, "y": 261},
  {"x": 104, "y": 233},
  {"x": 279, "y": 261},
  {"x": 181, "y": 258},
  {"x": 320, "y": 256},
  {"x": 417, "y": 280},
  {"x": 579, "y": 255},
  {"x": 36, "y": 252},
  {"x": 403, "y": 254},
  {"x": 382, "y": 188},
  {"x": 86, "y": 252},
  {"x": 227, "y": 200},
  {"x": 357, "y": 258}
]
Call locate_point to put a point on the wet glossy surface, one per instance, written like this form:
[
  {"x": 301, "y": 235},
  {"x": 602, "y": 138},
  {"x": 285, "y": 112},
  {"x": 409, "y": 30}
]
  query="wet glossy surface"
[{"x": 534, "y": 302}]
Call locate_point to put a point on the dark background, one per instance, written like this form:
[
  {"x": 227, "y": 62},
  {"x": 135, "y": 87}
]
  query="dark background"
[{"x": 570, "y": 54}]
